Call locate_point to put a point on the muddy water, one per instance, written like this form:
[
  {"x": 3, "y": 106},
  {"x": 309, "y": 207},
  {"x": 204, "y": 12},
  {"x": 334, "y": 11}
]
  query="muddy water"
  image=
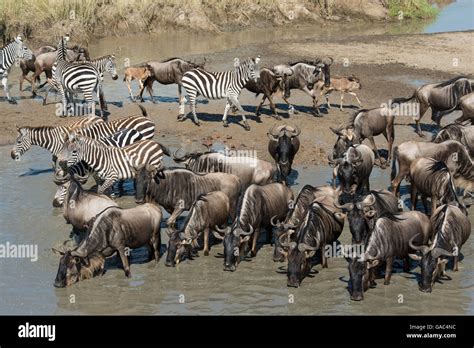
[{"x": 257, "y": 287}]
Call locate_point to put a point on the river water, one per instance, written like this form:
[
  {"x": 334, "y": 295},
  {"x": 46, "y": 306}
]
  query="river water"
[{"x": 200, "y": 286}]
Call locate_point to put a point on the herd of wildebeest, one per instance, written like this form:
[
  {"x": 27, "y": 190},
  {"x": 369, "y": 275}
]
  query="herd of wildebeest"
[{"x": 236, "y": 199}]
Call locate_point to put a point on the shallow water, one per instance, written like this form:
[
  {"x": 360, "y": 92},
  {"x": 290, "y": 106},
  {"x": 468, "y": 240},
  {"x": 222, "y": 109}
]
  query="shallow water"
[{"x": 257, "y": 287}]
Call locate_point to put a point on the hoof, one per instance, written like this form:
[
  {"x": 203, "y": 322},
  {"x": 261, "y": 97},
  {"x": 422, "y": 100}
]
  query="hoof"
[
  {"x": 206, "y": 253},
  {"x": 246, "y": 126},
  {"x": 277, "y": 117},
  {"x": 197, "y": 124},
  {"x": 226, "y": 124},
  {"x": 180, "y": 118},
  {"x": 387, "y": 282},
  {"x": 12, "y": 101}
]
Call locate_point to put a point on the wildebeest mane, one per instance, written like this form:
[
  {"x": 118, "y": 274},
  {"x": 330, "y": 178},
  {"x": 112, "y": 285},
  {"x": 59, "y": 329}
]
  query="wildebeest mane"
[
  {"x": 445, "y": 228},
  {"x": 450, "y": 132},
  {"x": 447, "y": 83}
]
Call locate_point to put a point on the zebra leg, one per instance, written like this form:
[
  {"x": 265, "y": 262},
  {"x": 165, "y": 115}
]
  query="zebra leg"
[
  {"x": 193, "y": 111},
  {"x": 226, "y": 111},
  {"x": 63, "y": 101},
  {"x": 235, "y": 101},
  {"x": 5, "y": 88},
  {"x": 103, "y": 102}
]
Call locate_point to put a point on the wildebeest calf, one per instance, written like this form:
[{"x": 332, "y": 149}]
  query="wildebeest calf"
[
  {"x": 139, "y": 73},
  {"x": 341, "y": 84}
]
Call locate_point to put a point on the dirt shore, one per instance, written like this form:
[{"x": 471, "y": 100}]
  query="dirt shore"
[{"x": 388, "y": 67}]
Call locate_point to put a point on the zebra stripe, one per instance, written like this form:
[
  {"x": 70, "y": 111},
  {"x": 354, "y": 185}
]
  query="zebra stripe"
[
  {"x": 110, "y": 163},
  {"x": 8, "y": 54},
  {"x": 218, "y": 85}
]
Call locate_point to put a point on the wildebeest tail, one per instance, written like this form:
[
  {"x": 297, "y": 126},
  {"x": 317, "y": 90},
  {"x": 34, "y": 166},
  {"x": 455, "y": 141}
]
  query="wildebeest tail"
[
  {"x": 165, "y": 150},
  {"x": 393, "y": 174},
  {"x": 403, "y": 100},
  {"x": 143, "y": 110}
]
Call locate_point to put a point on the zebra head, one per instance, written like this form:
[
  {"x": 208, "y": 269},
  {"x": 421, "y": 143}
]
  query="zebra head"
[
  {"x": 22, "y": 51},
  {"x": 248, "y": 68},
  {"x": 111, "y": 67},
  {"x": 22, "y": 144},
  {"x": 71, "y": 152}
]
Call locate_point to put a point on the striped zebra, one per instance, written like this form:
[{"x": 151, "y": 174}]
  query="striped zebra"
[
  {"x": 219, "y": 85},
  {"x": 103, "y": 64},
  {"x": 52, "y": 138},
  {"x": 73, "y": 77},
  {"x": 110, "y": 163},
  {"x": 8, "y": 55}
]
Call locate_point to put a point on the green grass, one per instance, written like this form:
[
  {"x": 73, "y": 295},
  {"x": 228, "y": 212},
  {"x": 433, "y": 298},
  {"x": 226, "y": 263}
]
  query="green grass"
[{"x": 411, "y": 9}]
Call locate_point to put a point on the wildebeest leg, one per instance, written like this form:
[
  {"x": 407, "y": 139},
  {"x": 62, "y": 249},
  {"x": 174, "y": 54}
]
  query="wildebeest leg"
[
  {"x": 155, "y": 242},
  {"x": 206, "y": 242},
  {"x": 376, "y": 152},
  {"x": 256, "y": 234},
  {"x": 273, "y": 107},
  {"x": 127, "y": 82},
  {"x": 355, "y": 95},
  {"x": 291, "y": 108},
  {"x": 334, "y": 176},
  {"x": 414, "y": 196},
  {"x": 257, "y": 112},
  {"x": 434, "y": 204},
  {"x": 149, "y": 88},
  {"x": 324, "y": 259},
  {"x": 342, "y": 98},
  {"x": 406, "y": 264},
  {"x": 178, "y": 209},
  {"x": 423, "y": 109},
  {"x": 5, "y": 88},
  {"x": 402, "y": 173},
  {"x": 315, "y": 102},
  {"x": 388, "y": 271},
  {"x": 124, "y": 258},
  {"x": 425, "y": 203},
  {"x": 456, "y": 264}
]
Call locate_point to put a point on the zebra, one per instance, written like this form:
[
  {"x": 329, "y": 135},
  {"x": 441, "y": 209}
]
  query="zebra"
[
  {"x": 52, "y": 138},
  {"x": 111, "y": 163},
  {"x": 103, "y": 64},
  {"x": 82, "y": 171},
  {"x": 8, "y": 55},
  {"x": 219, "y": 85},
  {"x": 75, "y": 77}
]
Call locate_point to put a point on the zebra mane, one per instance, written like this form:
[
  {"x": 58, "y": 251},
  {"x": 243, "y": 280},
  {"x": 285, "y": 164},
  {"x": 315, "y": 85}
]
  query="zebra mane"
[
  {"x": 107, "y": 56},
  {"x": 170, "y": 59}
]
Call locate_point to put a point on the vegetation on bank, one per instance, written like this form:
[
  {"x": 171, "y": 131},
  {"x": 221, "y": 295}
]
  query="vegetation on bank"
[
  {"x": 46, "y": 19},
  {"x": 411, "y": 9}
]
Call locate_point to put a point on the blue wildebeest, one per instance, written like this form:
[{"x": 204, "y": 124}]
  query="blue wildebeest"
[
  {"x": 443, "y": 98},
  {"x": 341, "y": 84},
  {"x": 353, "y": 170},
  {"x": 466, "y": 104},
  {"x": 322, "y": 225},
  {"x": 452, "y": 229},
  {"x": 177, "y": 189},
  {"x": 258, "y": 206},
  {"x": 209, "y": 210},
  {"x": 28, "y": 65},
  {"x": 451, "y": 152},
  {"x": 249, "y": 170},
  {"x": 284, "y": 230},
  {"x": 458, "y": 132},
  {"x": 283, "y": 146},
  {"x": 114, "y": 230}
]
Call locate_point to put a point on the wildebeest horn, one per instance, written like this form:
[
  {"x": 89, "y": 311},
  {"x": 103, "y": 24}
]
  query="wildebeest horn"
[
  {"x": 286, "y": 243},
  {"x": 278, "y": 223},
  {"x": 297, "y": 131},
  {"x": 247, "y": 233},
  {"x": 182, "y": 158},
  {"x": 369, "y": 202},
  {"x": 437, "y": 252},
  {"x": 346, "y": 206},
  {"x": 423, "y": 248},
  {"x": 273, "y": 133},
  {"x": 222, "y": 230},
  {"x": 357, "y": 157},
  {"x": 61, "y": 179},
  {"x": 305, "y": 247}
]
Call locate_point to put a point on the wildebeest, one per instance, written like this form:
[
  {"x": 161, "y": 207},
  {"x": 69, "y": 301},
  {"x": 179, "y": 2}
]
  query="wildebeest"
[
  {"x": 458, "y": 132},
  {"x": 451, "y": 152},
  {"x": 176, "y": 189},
  {"x": 304, "y": 77},
  {"x": 353, "y": 170},
  {"x": 283, "y": 146},
  {"x": 268, "y": 83},
  {"x": 341, "y": 84},
  {"x": 139, "y": 73},
  {"x": 80, "y": 206},
  {"x": 115, "y": 230},
  {"x": 432, "y": 179},
  {"x": 209, "y": 210},
  {"x": 452, "y": 228},
  {"x": 380, "y": 201},
  {"x": 249, "y": 170},
  {"x": 257, "y": 207},
  {"x": 466, "y": 103},
  {"x": 390, "y": 236},
  {"x": 443, "y": 98},
  {"x": 321, "y": 226},
  {"x": 365, "y": 124},
  {"x": 284, "y": 230},
  {"x": 28, "y": 65},
  {"x": 168, "y": 72}
]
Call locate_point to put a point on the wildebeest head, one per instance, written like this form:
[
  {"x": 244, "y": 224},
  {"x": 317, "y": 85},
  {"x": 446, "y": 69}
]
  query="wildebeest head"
[
  {"x": 298, "y": 262},
  {"x": 432, "y": 265},
  {"x": 177, "y": 247},
  {"x": 360, "y": 213},
  {"x": 346, "y": 137},
  {"x": 283, "y": 233},
  {"x": 73, "y": 268},
  {"x": 284, "y": 144},
  {"x": 358, "y": 277},
  {"x": 144, "y": 176},
  {"x": 234, "y": 239}
]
